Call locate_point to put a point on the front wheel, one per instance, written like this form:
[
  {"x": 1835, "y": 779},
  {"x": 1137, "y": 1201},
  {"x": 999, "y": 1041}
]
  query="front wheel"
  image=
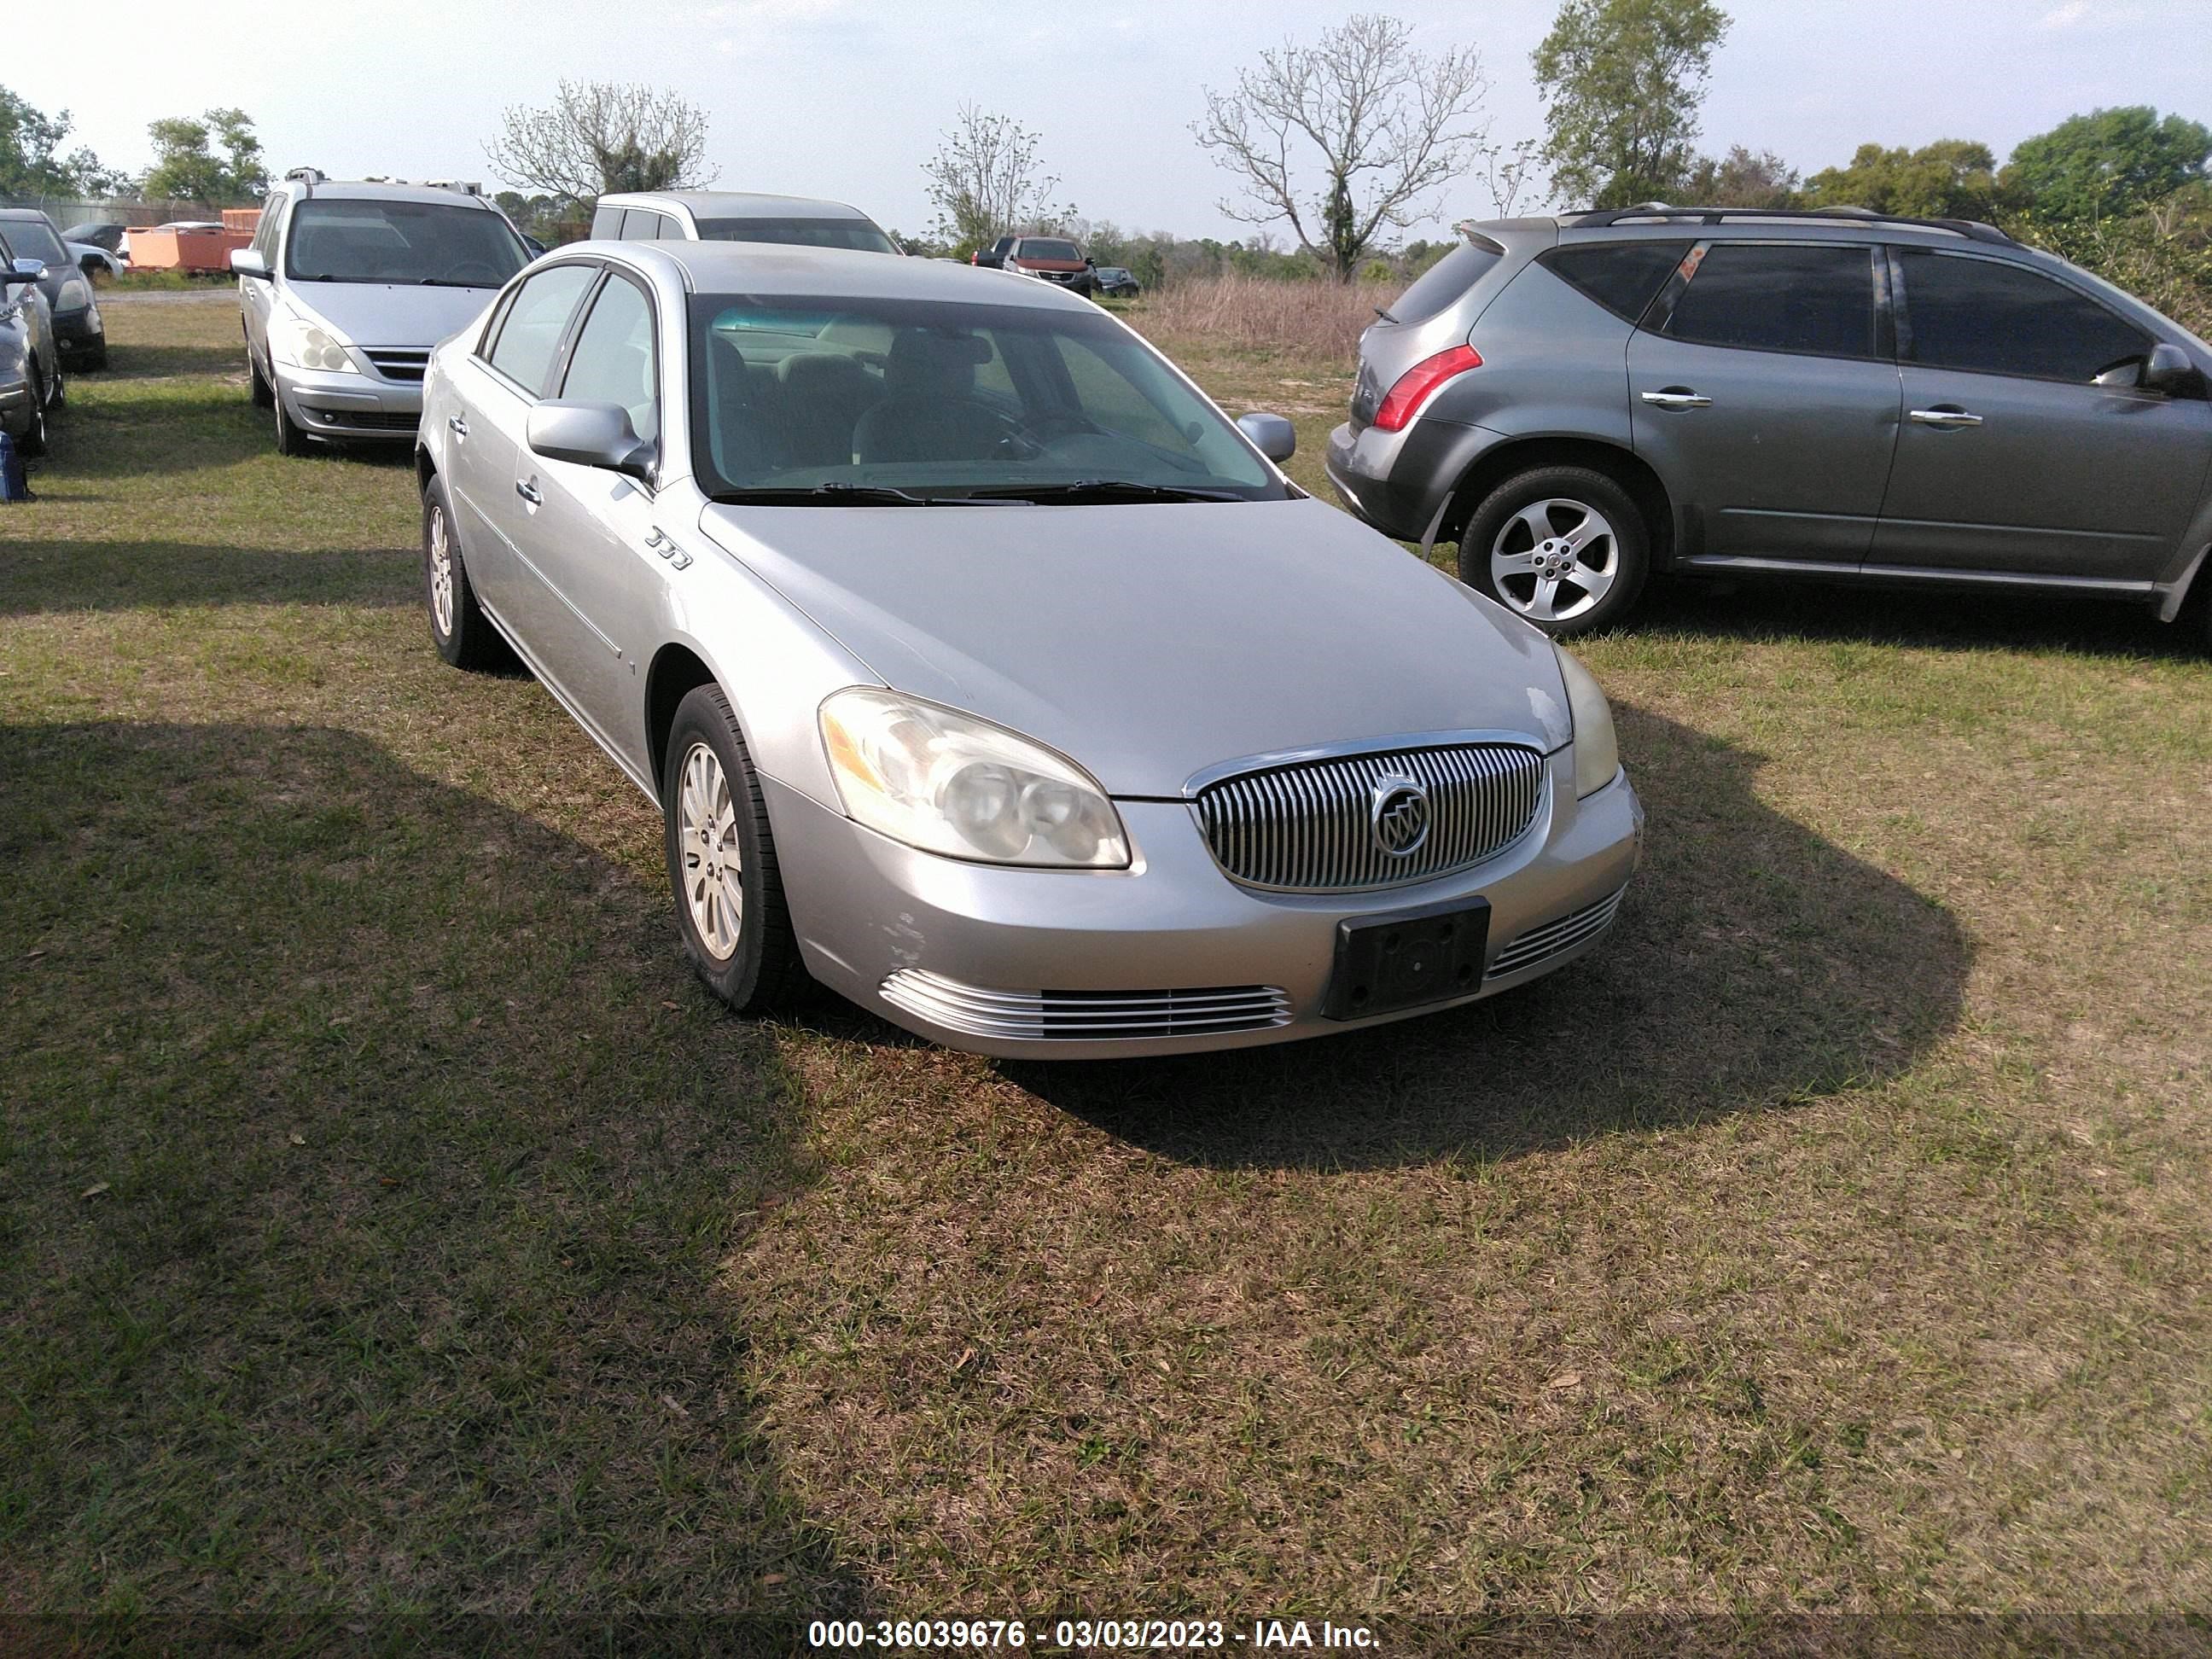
[
  {"x": 1563, "y": 547},
  {"x": 290, "y": 438},
  {"x": 34, "y": 444},
  {"x": 721, "y": 861}
]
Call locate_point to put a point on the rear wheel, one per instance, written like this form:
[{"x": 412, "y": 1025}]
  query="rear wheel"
[
  {"x": 721, "y": 861},
  {"x": 1563, "y": 547},
  {"x": 34, "y": 445},
  {"x": 458, "y": 627}
]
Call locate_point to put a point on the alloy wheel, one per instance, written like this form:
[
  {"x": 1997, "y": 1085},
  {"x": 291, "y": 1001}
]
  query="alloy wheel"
[
  {"x": 714, "y": 866},
  {"x": 1554, "y": 560},
  {"x": 441, "y": 572}
]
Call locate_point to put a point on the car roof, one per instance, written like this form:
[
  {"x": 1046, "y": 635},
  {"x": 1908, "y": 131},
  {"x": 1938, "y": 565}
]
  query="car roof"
[
  {"x": 735, "y": 205},
  {"x": 828, "y": 273},
  {"x": 27, "y": 216},
  {"x": 349, "y": 190}
]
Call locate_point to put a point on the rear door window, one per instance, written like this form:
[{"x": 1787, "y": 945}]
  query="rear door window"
[
  {"x": 1622, "y": 277},
  {"x": 1811, "y": 299},
  {"x": 1996, "y": 319},
  {"x": 1444, "y": 282}
]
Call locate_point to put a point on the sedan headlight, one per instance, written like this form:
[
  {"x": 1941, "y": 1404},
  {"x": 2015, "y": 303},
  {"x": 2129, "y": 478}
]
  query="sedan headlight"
[
  {"x": 950, "y": 783},
  {"x": 304, "y": 345},
  {"x": 75, "y": 295},
  {"x": 1597, "y": 753}
]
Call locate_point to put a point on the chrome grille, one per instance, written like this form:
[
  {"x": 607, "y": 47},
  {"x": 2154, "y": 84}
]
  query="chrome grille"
[
  {"x": 1553, "y": 938},
  {"x": 1063, "y": 1016},
  {"x": 1305, "y": 827},
  {"x": 399, "y": 363}
]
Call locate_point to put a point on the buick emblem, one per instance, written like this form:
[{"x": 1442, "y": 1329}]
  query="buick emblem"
[{"x": 1398, "y": 816}]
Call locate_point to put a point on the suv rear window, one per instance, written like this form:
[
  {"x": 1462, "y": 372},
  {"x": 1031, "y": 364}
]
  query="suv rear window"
[
  {"x": 1813, "y": 298},
  {"x": 1622, "y": 277},
  {"x": 1444, "y": 282}
]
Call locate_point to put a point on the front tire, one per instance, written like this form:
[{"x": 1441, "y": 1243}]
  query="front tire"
[
  {"x": 721, "y": 861},
  {"x": 34, "y": 445},
  {"x": 1563, "y": 547},
  {"x": 458, "y": 627},
  {"x": 263, "y": 394},
  {"x": 290, "y": 438}
]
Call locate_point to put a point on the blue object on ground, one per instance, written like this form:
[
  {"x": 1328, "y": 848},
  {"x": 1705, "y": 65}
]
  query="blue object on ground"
[{"x": 13, "y": 486}]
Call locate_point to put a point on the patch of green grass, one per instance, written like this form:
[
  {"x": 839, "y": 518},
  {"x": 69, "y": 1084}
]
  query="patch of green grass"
[{"x": 389, "y": 1223}]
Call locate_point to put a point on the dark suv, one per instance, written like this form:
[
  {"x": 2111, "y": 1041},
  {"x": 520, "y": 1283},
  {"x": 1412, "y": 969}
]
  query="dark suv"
[{"x": 1580, "y": 401}]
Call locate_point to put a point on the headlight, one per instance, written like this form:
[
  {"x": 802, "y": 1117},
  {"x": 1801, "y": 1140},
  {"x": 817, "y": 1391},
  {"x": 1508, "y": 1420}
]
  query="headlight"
[
  {"x": 75, "y": 295},
  {"x": 307, "y": 345},
  {"x": 952, "y": 784},
  {"x": 1597, "y": 754}
]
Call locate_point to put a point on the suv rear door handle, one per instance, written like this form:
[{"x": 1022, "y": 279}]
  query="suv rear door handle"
[
  {"x": 1677, "y": 397},
  {"x": 1947, "y": 416}
]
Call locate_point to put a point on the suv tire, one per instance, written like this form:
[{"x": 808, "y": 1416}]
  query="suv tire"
[
  {"x": 264, "y": 393},
  {"x": 1563, "y": 547},
  {"x": 290, "y": 439},
  {"x": 458, "y": 627},
  {"x": 721, "y": 850}
]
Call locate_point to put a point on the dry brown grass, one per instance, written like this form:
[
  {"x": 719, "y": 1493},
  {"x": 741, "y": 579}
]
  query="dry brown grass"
[{"x": 1317, "y": 322}]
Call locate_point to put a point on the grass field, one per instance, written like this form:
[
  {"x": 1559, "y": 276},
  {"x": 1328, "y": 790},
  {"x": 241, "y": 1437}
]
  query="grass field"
[{"x": 389, "y": 1223}]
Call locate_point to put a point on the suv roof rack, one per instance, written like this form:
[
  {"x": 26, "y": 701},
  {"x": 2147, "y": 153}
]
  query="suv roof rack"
[
  {"x": 308, "y": 176},
  {"x": 1973, "y": 229}
]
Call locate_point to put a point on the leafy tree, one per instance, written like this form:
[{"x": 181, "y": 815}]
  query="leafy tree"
[
  {"x": 30, "y": 162},
  {"x": 2107, "y": 163},
  {"x": 1741, "y": 179},
  {"x": 186, "y": 168},
  {"x": 1622, "y": 82},
  {"x": 986, "y": 181},
  {"x": 1340, "y": 139},
  {"x": 599, "y": 136},
  {"x": 1950, "y": 178}
]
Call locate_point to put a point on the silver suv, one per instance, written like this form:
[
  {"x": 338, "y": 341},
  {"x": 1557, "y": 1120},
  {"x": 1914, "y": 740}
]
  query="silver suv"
[
  {"x": 729, "y": 215},
  {"x": 346, "y": 288},
  {"x": 1580, "y": 401}
]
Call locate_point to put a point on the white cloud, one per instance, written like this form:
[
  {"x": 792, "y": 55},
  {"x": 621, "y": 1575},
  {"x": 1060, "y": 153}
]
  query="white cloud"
[{"x": 2065, "y": 16}]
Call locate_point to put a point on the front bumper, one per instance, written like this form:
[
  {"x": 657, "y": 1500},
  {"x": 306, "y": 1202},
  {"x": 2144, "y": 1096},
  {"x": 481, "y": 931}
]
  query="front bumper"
[
  {"x": 354, "y": 406},
  {"x": 76, "y": 328},
  {"x": 959, "y": 952}
]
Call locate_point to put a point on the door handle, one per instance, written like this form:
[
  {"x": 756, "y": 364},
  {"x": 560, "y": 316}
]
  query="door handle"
[
  {"x": 1946, "y": 419},
  {"x": 457, "y": 425},
  {"x": 529, "y": 492},
  {"x": 1678, "y": 398}
]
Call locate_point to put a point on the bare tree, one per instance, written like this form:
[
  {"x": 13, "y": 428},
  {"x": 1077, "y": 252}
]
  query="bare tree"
[
  {"x": 1388, "y": 126},
  {"x": 1512, "y": 172},
  {"x": 602, "y": 136},
  {"x": 986, "y": 181}
]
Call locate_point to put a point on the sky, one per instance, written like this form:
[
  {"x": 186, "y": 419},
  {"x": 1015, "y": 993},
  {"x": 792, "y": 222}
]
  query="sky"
[{"x": 845, "y": 98}]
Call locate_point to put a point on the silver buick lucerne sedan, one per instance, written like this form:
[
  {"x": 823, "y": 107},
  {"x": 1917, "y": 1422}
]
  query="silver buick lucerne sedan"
[{"x": 985, "y": 671}]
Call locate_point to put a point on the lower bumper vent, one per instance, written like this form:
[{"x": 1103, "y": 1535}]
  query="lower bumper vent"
[
  {"x": 1541, "y": 943},
  {"x": 1084, "y": 1016}
]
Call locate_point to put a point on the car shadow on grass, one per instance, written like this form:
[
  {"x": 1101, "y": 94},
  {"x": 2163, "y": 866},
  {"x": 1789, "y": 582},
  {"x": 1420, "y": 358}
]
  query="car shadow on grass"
[
  {"x": 39, "y": 576},
  {"x": 1756, "y": 611},
  {"x": 366, "y": 1160},
  {"x": 1755, "y": 966}
]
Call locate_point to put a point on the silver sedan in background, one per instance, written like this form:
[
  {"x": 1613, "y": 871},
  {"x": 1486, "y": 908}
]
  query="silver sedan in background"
[{"x": 985, "y": 671}]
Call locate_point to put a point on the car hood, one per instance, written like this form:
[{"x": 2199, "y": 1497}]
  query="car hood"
[
  {"x": 388, "y": 313},
  {"x": 1149, "y": 641}
]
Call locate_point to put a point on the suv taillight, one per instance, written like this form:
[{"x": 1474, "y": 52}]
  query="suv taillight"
[{"x": 1415, "y": 384}]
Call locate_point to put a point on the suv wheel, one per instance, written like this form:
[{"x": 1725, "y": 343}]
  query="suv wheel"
[
  {"x": 290, "y": 439},
  {"x": 1563, "y": 547},
  {"x": 721, "y": 861},
  {"x": 264, "y": 394}
]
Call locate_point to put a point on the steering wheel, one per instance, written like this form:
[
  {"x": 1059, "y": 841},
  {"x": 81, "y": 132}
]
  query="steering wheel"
[{"x": 469, "y": 268}]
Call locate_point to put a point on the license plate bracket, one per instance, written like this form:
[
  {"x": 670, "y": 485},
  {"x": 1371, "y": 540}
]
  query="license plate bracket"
[{"x": 1407, "y": 959}]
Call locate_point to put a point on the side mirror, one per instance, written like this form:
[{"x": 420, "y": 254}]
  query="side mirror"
[
  {"x": 1271, "y": 434},
  {"x": 2168, "y": 368},
  {"x": 248, "y": 262},
  {"x": 1092, "y": 263},
  {"x": 590, "y": 435},
  {"x": 30, "y": 271}
]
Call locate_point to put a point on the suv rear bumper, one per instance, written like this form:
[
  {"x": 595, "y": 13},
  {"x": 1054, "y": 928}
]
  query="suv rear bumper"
[{"x": 1399, "y": 481}]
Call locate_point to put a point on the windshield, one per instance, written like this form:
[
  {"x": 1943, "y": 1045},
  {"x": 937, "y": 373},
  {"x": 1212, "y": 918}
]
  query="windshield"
[
  {"x": 31, "y": 240},
  {"x": 1038, "y": 247},
  {"x": 946, "y": 400},
  {"x": 429, "y": 243},
  {"x": 801, "y": 233}
]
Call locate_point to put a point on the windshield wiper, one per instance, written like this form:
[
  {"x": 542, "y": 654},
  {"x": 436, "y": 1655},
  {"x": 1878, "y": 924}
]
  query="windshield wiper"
[
  {"x": 1103, "y": 489},
  {"x": 834, "y": 495}
]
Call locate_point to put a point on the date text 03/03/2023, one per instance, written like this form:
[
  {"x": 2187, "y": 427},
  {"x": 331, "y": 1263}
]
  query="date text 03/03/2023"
[{"x": 1079, "y": 1635}]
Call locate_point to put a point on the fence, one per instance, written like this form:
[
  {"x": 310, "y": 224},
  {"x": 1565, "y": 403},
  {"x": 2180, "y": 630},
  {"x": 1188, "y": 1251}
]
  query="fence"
[{"x": 133, "y": 213}]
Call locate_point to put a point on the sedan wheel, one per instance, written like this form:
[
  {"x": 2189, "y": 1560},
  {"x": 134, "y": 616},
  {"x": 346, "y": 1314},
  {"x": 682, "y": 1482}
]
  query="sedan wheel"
[
  {"x": 34, "y": 436},
  {"x": 1563, "y": 547},
  {"x": 458, "y": 627},
  {"x": 722, "y": 859}
]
